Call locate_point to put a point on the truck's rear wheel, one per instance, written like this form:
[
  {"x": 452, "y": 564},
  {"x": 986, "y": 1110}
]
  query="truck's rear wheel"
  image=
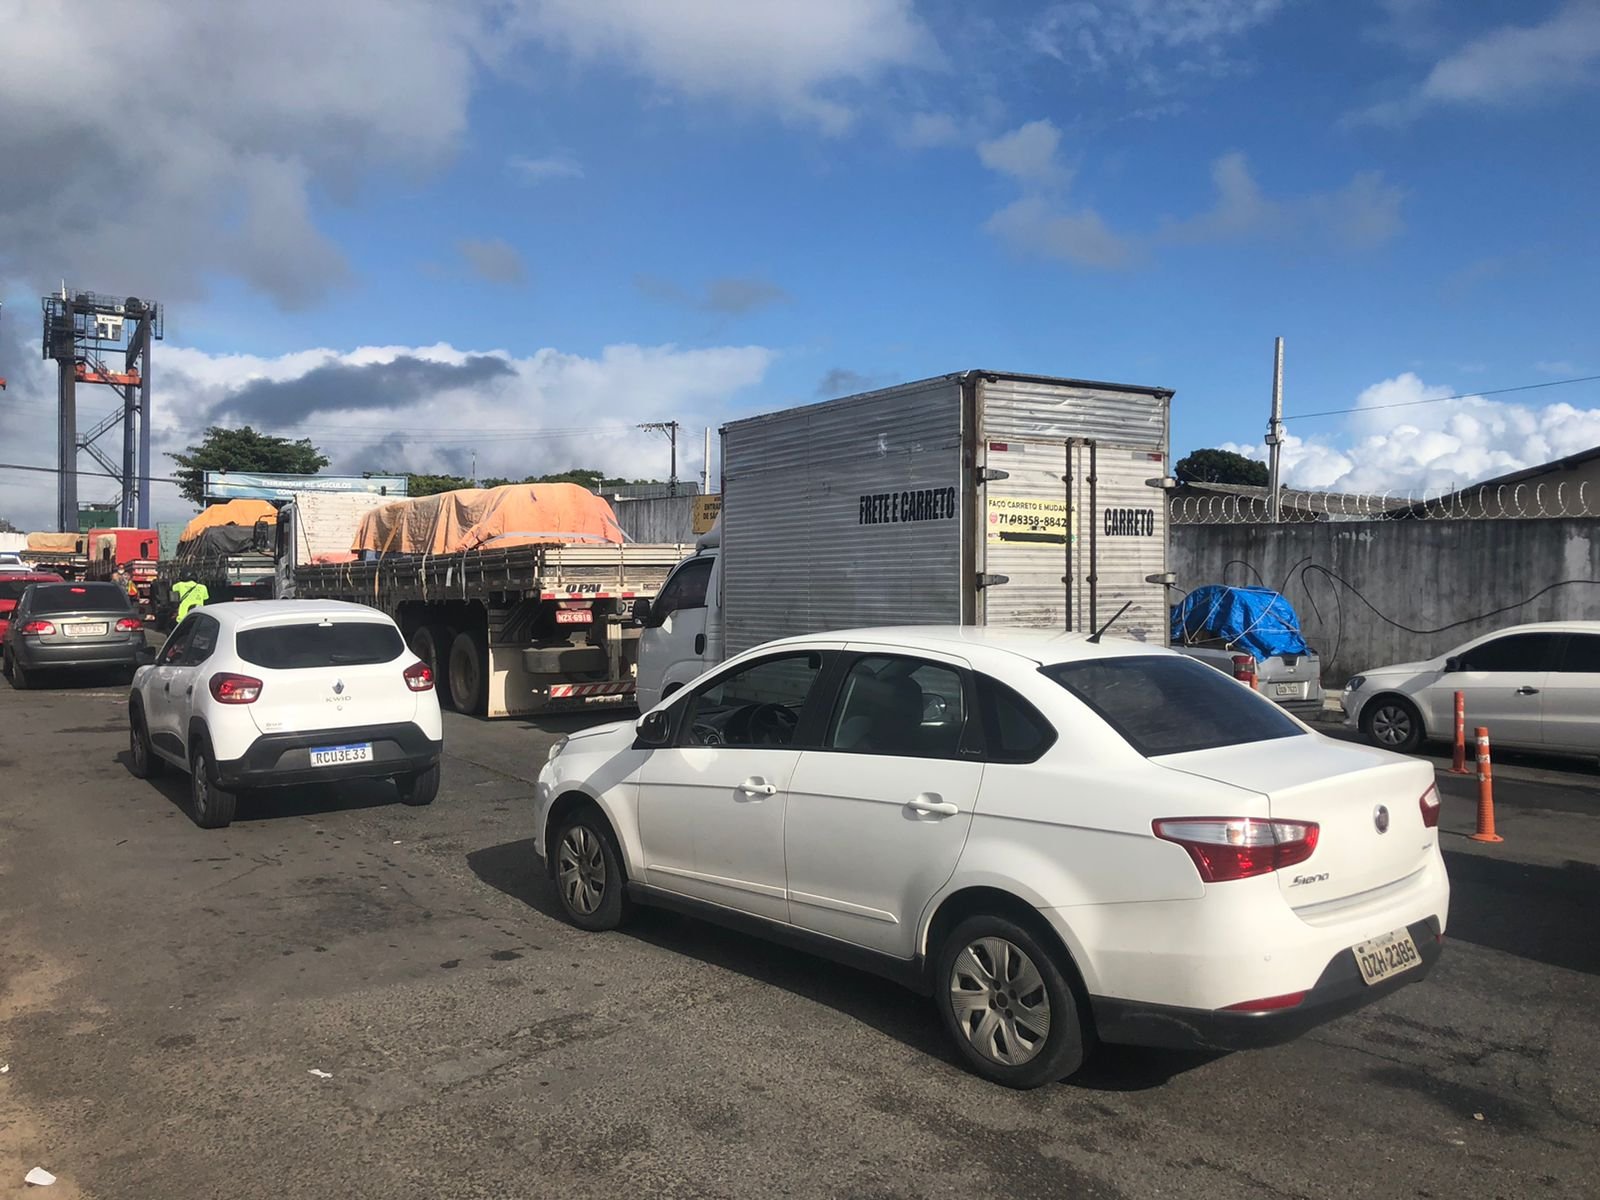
[
  {"x": 469, "y": 672},
  {"x": 431, "y": 643}
]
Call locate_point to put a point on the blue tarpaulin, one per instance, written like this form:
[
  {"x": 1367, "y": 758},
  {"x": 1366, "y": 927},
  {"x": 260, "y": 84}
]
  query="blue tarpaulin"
[{"x": 1255, "y": 621}]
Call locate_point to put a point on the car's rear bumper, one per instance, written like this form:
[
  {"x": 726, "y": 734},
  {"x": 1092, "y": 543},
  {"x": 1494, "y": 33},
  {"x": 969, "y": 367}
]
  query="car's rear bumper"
[
  {"x": 1339, "y": 990},
  {"x": 277, "y": 759},
  {"x": 60, "y": 656}
]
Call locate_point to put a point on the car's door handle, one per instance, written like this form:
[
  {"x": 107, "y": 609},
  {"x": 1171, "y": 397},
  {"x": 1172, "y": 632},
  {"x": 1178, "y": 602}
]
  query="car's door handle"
[
  {"x": 699, "y": 643},
  {"x": 929, "y": 802},
  {"x": 167, "y": 688},
  {"x": 189, "y": 691},
  {"x": 1527, "y": 691},
  {"x": 758, "y": 787}
]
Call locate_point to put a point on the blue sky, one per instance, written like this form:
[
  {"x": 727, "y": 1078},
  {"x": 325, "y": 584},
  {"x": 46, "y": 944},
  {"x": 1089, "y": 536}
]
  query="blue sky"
[{"x": 732, "y": 207}]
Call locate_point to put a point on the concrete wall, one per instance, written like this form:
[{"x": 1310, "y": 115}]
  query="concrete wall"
[
  {"x": 1421, "y": 574},
  {"x": 667, "y": 519}
]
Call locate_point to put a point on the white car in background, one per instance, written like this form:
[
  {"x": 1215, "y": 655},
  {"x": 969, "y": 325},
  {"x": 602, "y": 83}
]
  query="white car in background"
[
  {"x": 1060, "y": 841},
  {"x": 282, "y": 692},
  {"x": 1534, "y": 687}
]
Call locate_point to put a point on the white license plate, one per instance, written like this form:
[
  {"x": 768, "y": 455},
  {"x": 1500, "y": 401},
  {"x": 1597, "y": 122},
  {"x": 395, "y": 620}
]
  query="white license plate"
[
  {"x": 333, "y": 756},
  {"x": 573, "y": 616},
  {"x": 1386, "y": 956},
  {"x": 85, "y": 629},
  {"x": 1287, "y": 689}
]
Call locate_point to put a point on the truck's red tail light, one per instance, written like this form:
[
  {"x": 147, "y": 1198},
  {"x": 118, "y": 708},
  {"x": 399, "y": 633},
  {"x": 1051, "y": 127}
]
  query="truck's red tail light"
[
  {"x": 419, "y": 677},
  {"x": 1225, "y": 848},
  {"x": 228, "y": 688},
  {"x": 39, "y": 627},
  {"x": 129, "y": 625},
  {"x": 1244, "y": 668},
  {"x": 1430, "y": 807}
]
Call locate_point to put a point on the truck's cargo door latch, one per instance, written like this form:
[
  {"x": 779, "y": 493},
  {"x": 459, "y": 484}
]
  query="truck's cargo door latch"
[
  {"x": 989, "y": 474},
  {"x": 985, "y": 581}
]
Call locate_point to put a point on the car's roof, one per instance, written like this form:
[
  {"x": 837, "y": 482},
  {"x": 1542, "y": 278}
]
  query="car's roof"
[
  {"x": 980, "y": 644},
  {"x": 1546, "y": 627},
  {"x": 240, "y": 613}
]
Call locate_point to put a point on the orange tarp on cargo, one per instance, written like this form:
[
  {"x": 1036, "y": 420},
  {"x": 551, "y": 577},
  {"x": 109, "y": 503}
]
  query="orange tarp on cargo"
[
  {"x": 56, "y": 543},
  {"x": 519, "y": 514},
  {"x": 234, "y": 512}
]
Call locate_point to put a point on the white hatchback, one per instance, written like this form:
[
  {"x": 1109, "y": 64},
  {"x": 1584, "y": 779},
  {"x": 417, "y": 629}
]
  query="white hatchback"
[
  {"x": 1058, "y": 840},
  {"x": 282, "y": 692}
]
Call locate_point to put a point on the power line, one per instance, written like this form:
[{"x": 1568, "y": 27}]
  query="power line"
[
  {"x": 9, "y": 466},
  {"x": 1526, "y": 387}
]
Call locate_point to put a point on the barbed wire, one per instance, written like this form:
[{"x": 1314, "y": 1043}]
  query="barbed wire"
[{"x": 1499, "y": 502}]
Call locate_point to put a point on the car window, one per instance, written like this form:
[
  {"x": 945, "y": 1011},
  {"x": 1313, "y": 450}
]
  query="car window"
[
  {"x": 177, "y": 643},
  {"x": 901, "y": 706},
  {"x": 1170, "y": 705},
  {"x": 202, "y": 640},
  {"x": 686, "y": 588},
  {"x": 77, "y": 597},
  {"x": 1581, "y": 654},
  {"x": 757, "y": 705},
  {"x": 12, "y": 589},
  {"x": 1514, "y": 652},
  {"x": 1014, "y": 731},
  {"x": 309, "y": 644}
]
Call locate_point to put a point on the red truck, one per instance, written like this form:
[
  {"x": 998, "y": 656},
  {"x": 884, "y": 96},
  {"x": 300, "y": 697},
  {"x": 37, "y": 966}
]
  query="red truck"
[{"x": 133, "y": 551}]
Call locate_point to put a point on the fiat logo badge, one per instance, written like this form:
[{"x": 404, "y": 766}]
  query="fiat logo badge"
[{"x": 1380, "y": 818}]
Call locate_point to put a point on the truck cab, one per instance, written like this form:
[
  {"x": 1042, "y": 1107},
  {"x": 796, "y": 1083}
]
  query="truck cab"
[{"x": 682, "y": 625}]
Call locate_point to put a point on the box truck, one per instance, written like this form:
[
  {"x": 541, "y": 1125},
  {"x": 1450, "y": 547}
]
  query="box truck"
[{"x": 978, "y": 498}]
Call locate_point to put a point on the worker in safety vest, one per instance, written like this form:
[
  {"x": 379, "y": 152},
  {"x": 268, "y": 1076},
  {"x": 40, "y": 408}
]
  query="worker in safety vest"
[{"x": 191, "y": 595}]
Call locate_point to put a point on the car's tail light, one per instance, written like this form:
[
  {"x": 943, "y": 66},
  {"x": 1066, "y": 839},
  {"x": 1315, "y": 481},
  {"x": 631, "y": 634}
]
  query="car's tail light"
[
  {"x": 1267, "y": 1003},
  {"x": 1225, "y": 848},
  {"x": 1244, "y": 668},
  {"x": 228, "y": 688},
  {"x": 41, "y": 627},
  {"x": 129, "y": 625},
  {"x": 1430, "y": 807},
  {"x": 419, "y": 677}
]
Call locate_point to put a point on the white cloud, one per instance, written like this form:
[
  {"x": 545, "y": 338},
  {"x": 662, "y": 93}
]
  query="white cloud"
[
  {"x": 1033, "y": 226},
  {"x": 925, "y": 129},
  {"x": 1430, "y": 448},
  {"x": 800, "y": 59},
  {"x": 541, "y": 170},
  {"x": 1560, "y": 368},
  {"x": 1027, "y": 154},
  {"x": 544, "y": 412},
  {"x": 1362, "y": 214},
  {"x": 163, "y": 142},
  {"x": 1508, "y": 65},
  {"x": 1149, "y": 42},
  {"x": 493, "y": 260}
]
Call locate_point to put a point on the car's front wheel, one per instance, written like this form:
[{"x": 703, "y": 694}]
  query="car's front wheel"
[
  {"x": 420, "y": 787},
  {"x": 1007, "y": 1004},
  {"x": 1393, "y": 723},
  {"x": 588, "y": 872},
  {"x": 211, "y": 805}
]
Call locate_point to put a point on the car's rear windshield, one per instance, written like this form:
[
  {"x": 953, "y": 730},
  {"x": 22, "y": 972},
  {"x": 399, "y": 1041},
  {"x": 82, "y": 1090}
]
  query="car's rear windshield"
[
  {"x": 1170, "y": 705},
  {"x": 318, "y": 644},
  {"x": 78, "y": 597}
]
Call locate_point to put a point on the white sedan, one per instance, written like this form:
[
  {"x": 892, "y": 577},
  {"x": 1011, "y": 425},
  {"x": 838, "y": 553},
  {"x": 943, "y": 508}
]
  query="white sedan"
[
  {"x": 1534, "y": 687},
  {"x": 275, "y": 693},
  {"x": 1056, "y": 839}
]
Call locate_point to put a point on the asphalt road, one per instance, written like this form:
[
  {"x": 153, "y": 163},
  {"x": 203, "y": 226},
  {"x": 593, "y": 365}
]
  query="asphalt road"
[{"x": 167, "y": 992}]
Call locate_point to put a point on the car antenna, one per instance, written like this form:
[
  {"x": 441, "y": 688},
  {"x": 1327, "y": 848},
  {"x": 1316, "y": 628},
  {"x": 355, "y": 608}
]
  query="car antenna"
[{"x": 1095, "y": 636}]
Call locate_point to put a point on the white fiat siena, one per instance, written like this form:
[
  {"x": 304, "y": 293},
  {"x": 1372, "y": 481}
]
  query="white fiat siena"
[{"x": 1061, "y": 841}]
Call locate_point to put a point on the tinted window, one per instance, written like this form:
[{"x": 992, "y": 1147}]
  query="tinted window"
[
  {"x": 757, "y": 705},
  {"x": 686, "y": 588},
  {"x": 78, "y": 597},
  {"x": 202, "y": 641},
  {"x": 1172, "y": 705},
  {"x": 1516, "y": 652},
  {"x": 1014, "y": 731},
  {"x": 899, "y": 706},
  {"x": 1582, "y": 654},
  {"x": 312, "y": 644},
  {"x": 173, "y": 651}
]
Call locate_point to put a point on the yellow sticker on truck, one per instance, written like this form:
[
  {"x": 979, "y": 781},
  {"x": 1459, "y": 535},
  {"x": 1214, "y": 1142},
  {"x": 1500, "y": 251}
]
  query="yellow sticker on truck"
[{"x": 1012, "y": 519}]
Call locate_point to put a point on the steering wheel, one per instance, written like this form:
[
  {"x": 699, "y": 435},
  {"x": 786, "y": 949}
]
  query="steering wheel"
[{"x": 772, "y": 725}]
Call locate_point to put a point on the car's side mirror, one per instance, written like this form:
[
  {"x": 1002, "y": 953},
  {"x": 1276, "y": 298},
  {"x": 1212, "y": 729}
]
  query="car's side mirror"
[
  {"x": 654, "y": 728},
  {"x": 1452, "y": 665},
  {"x": 641, "y": 611}
]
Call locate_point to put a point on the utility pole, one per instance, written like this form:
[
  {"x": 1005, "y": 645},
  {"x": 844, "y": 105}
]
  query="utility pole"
[
  {"x": 705, "y": 470},
  {"x": 670, "y": 428},
  {"x": 1275, "y": 436}
]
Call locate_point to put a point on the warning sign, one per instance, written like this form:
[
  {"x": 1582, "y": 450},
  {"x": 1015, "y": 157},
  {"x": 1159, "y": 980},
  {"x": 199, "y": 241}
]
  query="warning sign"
[
  {"x": 1014, "y": 520},
  {"x": 706, "y": 511}
]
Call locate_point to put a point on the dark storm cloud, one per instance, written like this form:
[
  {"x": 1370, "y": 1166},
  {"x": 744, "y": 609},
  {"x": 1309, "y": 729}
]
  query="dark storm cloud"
[{"x": 339, "y": 386}]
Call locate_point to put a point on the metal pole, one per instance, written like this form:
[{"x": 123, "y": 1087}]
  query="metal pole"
[
  {"x": 1094, "y": 531},
  {"x": 67, "y": 447},
  {"x": 144, "y": 420},
  {"x": 130, "y": 447},
  {"x": 705, "y": 470},
  {"x": 1275, "y": 435},
  {"x": 672, "y": 435}
]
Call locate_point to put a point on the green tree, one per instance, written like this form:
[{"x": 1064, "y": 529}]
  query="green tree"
[
  {"x": 432, "y": 485},
  {"x": 242, "y": 449},
  {"x": 1221, "y": 466}
]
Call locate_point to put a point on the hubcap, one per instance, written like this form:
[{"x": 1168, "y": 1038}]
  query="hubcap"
[
  {"x": 202, "y": 787},
  {"x": 1000, "y": 1001},
  {"x": 581, "y": 869},
  {"x": 137, "y": 747},
  {"x": 1391, "y": 725}
]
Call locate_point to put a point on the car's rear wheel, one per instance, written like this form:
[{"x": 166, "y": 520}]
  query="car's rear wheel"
[
  {"x": 420, "y": 787},
  {"x": 1393, "y": 723},
  {"x": 1007, "y": 1004},
  {"x": 469, "y": 672},
  {"x": 588, "y": 871},
  {"x": 20, "y": 679},
  {"x": 211, "y": 805},
  {"x": 145, "y": 763}
]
